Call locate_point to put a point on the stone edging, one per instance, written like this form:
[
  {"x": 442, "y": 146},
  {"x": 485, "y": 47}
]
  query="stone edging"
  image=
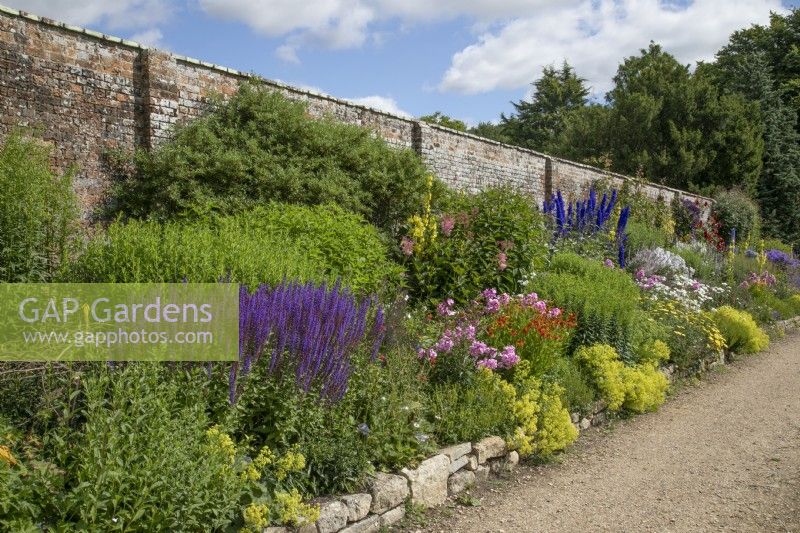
[{"x": 446, "y": 474}]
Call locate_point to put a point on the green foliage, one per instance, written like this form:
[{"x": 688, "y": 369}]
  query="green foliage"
[
  {"x": 273, "y": 411},
  {"x": 538, "y": 123},
  {"x": 38, "y": 212},
  {"x": 747, "y": 65},
  {"x": 463, "y": 412},
  {"x": 638, "y": 389},
  {"x": 642, "y": 236},
  {"x": 692, "y": 337},
  {"x": 140, "y": 460},
  {"x": 741, "y": 332},
  {"x": 734, "y": 209},
  {"x": 393, "y": 408},
  {"x": 575, "y": 381},
  {"x": 263, "y": 245},
  {"x": 679, "y": 129},
  {"x": 606, "y": 301},
  {"x": 259, "y": 147},
  {"x": 440, "y": 119},
  {"x": 485, "y": 226},
  {"x": 494, "y": 132}
]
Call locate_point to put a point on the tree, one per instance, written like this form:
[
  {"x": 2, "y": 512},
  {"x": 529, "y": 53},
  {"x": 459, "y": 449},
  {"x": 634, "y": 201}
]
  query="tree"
[
  {"x": 537, "y": 123},
  {"x": 489, "y": 130},
  {"x": 678, "y": 129},
  {"x": 746, "y": 70},
  {"x": 440, "y": 119}
]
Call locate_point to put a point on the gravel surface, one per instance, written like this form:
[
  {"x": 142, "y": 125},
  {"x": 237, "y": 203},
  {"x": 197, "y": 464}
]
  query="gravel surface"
[{"x": 720, "y": 455}]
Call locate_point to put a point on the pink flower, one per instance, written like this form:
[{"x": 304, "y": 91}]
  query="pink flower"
[
  {"x": 489, "y": 293},
  {"x": 407, "y": 246},
  {"x": 445, "y": 308},
  {"x": 609, "y": 263},
  {"x": 502, "y": 261},
  {"x": 504, "y": 298},
  {"x": 509, "y": 357},
  {"x": 505, "y": 245},
  {"x": 529, "y": 299},
  {"x": 554, "y": 312},
  {"x": 540, "y": 306},
  {"x": 491, "y": 364},
  {"x": 445, "y": 344},
  {"x": 447, "y": 223},
  {"x": 492, "y": 305}
]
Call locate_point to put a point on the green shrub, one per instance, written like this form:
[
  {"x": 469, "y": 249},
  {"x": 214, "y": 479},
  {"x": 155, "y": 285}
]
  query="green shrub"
[
  {"x": 392, "y": 402},
  {"x": 643, "y": 236},
  {"x": 606, "y": 301},
  {"x": 578, "y": 392},
  {"x": 704, "y": 264},
  {"x": 692, "y": 337},
  {"x": 38, "y": 211},
  {"x": 637, "y": 388},
  {"x": 259, "y": 147},
  {"x": 734, "y": 209},
  {"x": 263, "y": 245},
  {"x": 777, "y": 244},
  {"x": 463, "y": 412},
  {"x": 741, "y": 332},
  {"x": 543, "y": 423},
  {"x": 141, "y": 459},
  {"x": 491, "y": 239}
]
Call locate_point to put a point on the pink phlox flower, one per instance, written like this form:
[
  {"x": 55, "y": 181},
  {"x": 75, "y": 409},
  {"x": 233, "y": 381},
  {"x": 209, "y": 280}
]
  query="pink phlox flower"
[
  {"x": 489, "y": 293},
  {"x": 407, "y": 246},
  {"x": 447, "y": 224},
  {"x": 491, "y": 364},
  {"x": 502, "y": 261}
]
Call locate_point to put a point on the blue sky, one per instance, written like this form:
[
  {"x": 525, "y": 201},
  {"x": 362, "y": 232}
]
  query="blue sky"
[{"x": 466, "y": 58}]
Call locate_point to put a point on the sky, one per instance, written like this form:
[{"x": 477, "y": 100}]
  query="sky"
[{"x": 466, "y": 58}]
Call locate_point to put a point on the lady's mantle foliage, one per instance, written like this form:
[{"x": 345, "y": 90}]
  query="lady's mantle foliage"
[{"x": 311, "y": 329}]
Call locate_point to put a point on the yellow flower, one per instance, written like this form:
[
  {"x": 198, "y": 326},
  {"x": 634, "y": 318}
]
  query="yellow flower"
[
  {"x": 256, "y": 517},
  {"x": 292, "y": 511},
  {"x": 7, "y": 456},
  {"x": 222, "y": 443}
]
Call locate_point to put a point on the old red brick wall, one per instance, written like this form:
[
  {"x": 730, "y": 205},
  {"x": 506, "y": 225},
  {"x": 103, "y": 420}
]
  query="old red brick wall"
[{"x": 89, "y": 94}]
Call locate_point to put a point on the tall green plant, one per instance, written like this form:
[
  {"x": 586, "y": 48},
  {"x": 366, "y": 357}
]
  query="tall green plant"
[
  {"x": 259, "y": 147},
  {"x": 38, "y": 211}
]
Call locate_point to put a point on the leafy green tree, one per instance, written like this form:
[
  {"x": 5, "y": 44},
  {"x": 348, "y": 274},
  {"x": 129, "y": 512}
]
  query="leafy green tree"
[
  {"x": 747, "y": 71},
  {"x": 489, "y": 130},
  {"x": 678, "y": 129},
  {"x": 779, "y": 46},
  {"x": 440, "y": 119},
  {"x": 537, "y": 123}
]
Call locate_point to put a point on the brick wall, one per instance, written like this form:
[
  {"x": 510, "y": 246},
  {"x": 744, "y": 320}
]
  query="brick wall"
[{"x": 89, "y": 93}]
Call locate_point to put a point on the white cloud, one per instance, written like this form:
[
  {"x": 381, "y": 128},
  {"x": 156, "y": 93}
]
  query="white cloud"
[
  {"x": 384, "y": 103},
  {"x": 287, "y": 53},
  {"x": 151, "y": 38},
  {"x": 594, "y": 37},
  {"x": 340, "y": 24},
  {"x": 122, "y": 14}
]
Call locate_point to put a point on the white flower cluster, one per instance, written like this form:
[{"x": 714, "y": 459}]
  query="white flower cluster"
[
  {"x": 687, "y": 291},
  {"x": 658, "y": 261}
]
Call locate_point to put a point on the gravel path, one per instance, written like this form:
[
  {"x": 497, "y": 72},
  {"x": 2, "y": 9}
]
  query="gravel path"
[{"x": 721, "y": 455}]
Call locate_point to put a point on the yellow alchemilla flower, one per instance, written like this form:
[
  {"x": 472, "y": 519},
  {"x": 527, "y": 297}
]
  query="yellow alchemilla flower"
[
  {"x": 256, "y": 517},
  {"x": 6, "y": 456},
  {"x": 291, "y": 510},
  {"x": 221, "y": 442}
]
